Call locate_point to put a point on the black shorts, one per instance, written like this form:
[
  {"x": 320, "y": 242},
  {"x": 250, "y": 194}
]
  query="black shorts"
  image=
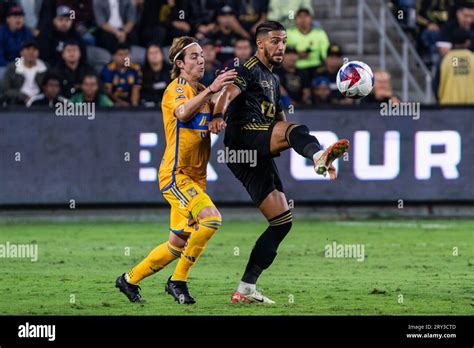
[
  {"x": 250, "y": 139},
  {"x": 258, "y": 178}
]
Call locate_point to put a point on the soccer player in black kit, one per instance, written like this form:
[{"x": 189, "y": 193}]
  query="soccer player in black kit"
[{"x": 254, "y": 120}]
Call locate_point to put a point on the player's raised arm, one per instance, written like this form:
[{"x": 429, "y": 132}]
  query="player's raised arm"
[
  {"x": 221, "y": 103},
  {"x": 188, "y": 109}
]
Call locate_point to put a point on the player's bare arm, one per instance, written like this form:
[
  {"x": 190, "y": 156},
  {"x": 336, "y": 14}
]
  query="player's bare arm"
[
  {"x": 189, "y": 109},
  {"x": 222, "y": 101}
]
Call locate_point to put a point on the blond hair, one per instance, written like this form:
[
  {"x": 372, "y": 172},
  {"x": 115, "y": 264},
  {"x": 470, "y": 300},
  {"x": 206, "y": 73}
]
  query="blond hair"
[{"x": 176, "y": 52}]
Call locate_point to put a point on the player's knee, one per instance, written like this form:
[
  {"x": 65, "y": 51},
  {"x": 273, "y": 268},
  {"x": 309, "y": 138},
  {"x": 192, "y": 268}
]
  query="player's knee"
[
  {"x": 176, "y": 241},
  {"x": 281, "y": 224},
  {"x": 210, "y": 217},
  {"x": 301, "y": 140},
  {"x": 209, "y": 211},
  {"x": 301, "y": 128},
  {"x": 297, "y": 131}
]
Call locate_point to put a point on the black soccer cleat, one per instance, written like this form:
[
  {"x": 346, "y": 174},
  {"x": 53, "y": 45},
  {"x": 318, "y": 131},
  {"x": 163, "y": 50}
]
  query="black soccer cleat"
[
  {"x": 130, "y": 290},
  {"x": 180, "y": 292}
]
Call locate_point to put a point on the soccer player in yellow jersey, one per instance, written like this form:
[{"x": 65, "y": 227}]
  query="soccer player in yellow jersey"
[{"x": 194, "y": 218}]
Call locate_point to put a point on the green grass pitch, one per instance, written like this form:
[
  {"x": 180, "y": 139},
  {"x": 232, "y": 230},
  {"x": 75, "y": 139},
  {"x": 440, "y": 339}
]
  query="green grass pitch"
[{"x": 410, "y": 268}]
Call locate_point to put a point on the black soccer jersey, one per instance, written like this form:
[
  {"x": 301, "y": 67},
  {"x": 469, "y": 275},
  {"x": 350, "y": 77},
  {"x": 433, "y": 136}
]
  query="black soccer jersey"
[{"x": 259, "y": 100}]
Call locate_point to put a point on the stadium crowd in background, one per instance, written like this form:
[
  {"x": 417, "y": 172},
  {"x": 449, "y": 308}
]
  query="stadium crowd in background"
[
  {"x": 124, "y": 44},
  {"x": 444, "y": 35}
]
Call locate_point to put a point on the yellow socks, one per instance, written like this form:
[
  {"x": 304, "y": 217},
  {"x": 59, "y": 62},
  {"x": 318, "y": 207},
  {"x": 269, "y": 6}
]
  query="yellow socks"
[
  {"x": 156, "y": 260},
  {"x": 165, "y": 253},
  {"x": 195, "y": 246}
]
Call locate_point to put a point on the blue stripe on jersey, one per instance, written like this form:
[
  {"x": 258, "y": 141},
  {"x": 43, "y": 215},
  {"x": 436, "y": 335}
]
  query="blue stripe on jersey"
[
  {"x": 176, "y": 231},
  {"x": 175, "y": 158},
  {"x": 173, "y": 192},
  {"x": 196, "y": 121},
  {"x": 179, "y": 195}
]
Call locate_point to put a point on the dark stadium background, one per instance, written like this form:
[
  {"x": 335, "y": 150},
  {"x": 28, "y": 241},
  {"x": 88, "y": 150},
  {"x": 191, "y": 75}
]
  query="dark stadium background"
[{"x": 48, "y": 160}]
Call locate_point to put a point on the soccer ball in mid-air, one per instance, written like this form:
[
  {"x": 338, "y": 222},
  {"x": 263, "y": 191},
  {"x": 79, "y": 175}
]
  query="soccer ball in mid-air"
[{"x": 355, "y": 79}]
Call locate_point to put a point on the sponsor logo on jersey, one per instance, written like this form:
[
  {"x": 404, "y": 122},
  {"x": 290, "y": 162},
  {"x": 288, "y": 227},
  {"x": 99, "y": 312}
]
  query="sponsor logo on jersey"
[
  {"x": 192, "y": 192},
  {"x": 240, "y": 81}
]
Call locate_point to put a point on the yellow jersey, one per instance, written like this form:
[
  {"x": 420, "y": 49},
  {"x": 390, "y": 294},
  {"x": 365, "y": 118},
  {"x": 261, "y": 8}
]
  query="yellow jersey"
[
  {"x": 188, "y": 144},
  {"x": 456, "y": 78}
]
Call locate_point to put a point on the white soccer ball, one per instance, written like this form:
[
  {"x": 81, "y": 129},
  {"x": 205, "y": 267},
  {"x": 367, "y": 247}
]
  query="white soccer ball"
[{"x": 355, "y": 79}]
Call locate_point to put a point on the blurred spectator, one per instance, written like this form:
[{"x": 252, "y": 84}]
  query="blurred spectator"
[
  {"x": 296, "y": 83},
  {"x": 251, "y": 13},
  {"x": 332, "y": 64},
  {"x": 199, "y": 17},
  {"x": 311, "y": 43},
  {"x": 122, "y": 79},
  {"x": 225, "y": 34},
  {"x": 242, "y": 52},
  {"x": 115, "y": 23},
  {"x": 31, "y": 9},
  {"x": 46, "y": 11},
  {"x": 211, "y": 64},
  {"x": 382, "y": 91},
  {"x": 464, "y": 19},
  {"x": 52, "y": 43},
  {"x": 154, "y": 22},
  {"x": 71, "y": 69},
  {"x": 90, "y": 92},
  {"x": 453, "y": 82},
  {"x": 156, "y": 76},
  {"x": 204, "y": 14},
  {"x": 23, "y": 78},
  {"x": 12, "y": 35},
  {"x": 84, "y": 22},
  {"x": 51, "y": 95},
  {"x": 180, "y": 19},
  {"x": 321, "y": 91},
  {"x": 431, "y": 16},
  {"x": 281, "y": 11},
  {"x": 139, "y": 7},
  {"x": 4, "y": 6}
]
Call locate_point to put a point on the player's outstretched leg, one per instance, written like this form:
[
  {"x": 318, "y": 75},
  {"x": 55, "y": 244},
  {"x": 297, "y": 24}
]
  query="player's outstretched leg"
[
  {"x": 208, "y": 222},
  {"x": 297, "y": 136},
  {"x": 156, "y": 260},
  {"x": 275, "y": 209}
]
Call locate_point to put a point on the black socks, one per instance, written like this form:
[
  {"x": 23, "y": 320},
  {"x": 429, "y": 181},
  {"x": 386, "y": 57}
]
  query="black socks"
[
  {"x": 301, "y": 141},
  {"x": 264, "y": 250}
]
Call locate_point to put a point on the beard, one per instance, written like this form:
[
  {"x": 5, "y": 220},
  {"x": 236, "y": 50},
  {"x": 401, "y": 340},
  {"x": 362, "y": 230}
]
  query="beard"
[{"x": 270, "y": 58}]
